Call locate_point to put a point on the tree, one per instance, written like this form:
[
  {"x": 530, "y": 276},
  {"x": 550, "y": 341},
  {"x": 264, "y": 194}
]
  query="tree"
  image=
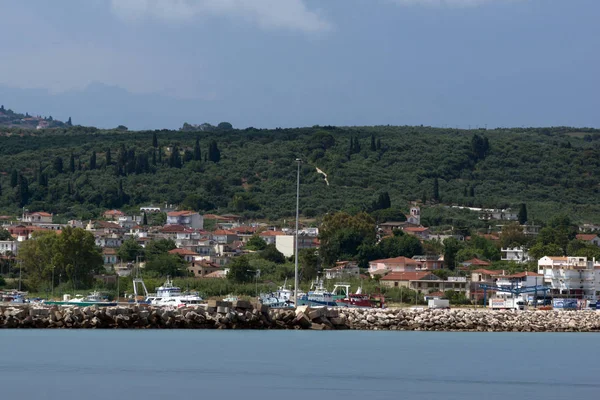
[
  {"x": 129, "y": 250},
  {"x": 22, "y": 191},
  {"x": 342, "y": 234},
  {"x": 167, "y": 265},
  {"x": 108, "y": 157},
  {"x": 373, "y": 145},
  {"x": 240, "y": 270},
  {"x": 256, "y": 243},
  {"x": 436, "y": 190},
  {"x": 72, "y": 163},
  {"x": 226, "y": 126},
  {"x": 154, "y": 140},
  {"x": 93, "y": 160},
  {"x": 157, "y": 247},
  {"x": 14, "y": 177},
  {"x": 308, "y": 261},
  {"x": 122, "y": 128},
  {"x": 214, "y": 154},
  {"x": 145, "y": 220},
  {"x": 522, "y": 214},
  {"x": 383, "y": 202},
  {"x": 540, "y": 250},
  {"x": 69, "y": 122},
  {"x": 197, "y": 153},
  {"x": 5, "y": 235},
  {"x": 58, "y": 165},
  {"x": 270, "y": 253},
  {"x": 512, "y": 236},
  {"x": 175, "y": 158},
  {"x": 399, "y": 246},
  {"x": 451, "y": 247}
]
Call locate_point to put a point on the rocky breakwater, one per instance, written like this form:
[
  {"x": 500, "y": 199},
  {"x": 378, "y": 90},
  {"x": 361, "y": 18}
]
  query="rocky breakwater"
[{"x": 244, "y": 315}]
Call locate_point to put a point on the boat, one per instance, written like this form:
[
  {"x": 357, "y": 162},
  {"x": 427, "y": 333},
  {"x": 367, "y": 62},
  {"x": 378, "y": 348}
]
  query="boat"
[
  {"x": 281, "y": 298},
  {"x": 231, "y": 298},
  {"x": 93, "y": 299},
  {"x": 360, "y": 300},
  {"x": 318, "y": 296},
  {"x": 169, "y": 295}
]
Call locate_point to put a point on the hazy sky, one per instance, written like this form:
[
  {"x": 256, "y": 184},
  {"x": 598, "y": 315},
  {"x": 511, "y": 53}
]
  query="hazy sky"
[{"x": 268, "y": 63}]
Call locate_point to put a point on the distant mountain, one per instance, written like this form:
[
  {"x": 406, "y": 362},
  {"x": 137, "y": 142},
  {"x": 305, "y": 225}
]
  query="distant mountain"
[{"x": 12, "y": 119}]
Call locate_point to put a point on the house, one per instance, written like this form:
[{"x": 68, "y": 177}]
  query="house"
[
  {"x": 424, "y": 282},
  {"x": 270, "y": 236},
  {"x": 419, "y": 231},
  {"x": 113, "y": 240},
  {"x": 188, "y": 255},
  {"x": 515, "y": 254},
  {"x": 387, "y": 228},
  {"x": 244, "y": 232},
  {"x": 110, "y": 256},
  {"x": 39, "y": 217},
  {"x": 285, "y": 243},
  {"x": 189, "y": 219},
  {"x": 519, "y": 280},
  {"x": 7, "y": 246},
  {"x": 343, "y": 269},
  {"x": 224, "y": 236},
  {"x": 495, "y": 214},
  {"x": 113, "y": 215},
  {"x": 414, "y": 217},
  {"x": 200, "y": 269},
  {"x": 429, "y": 262},
  {"x": 150, "y": 209},
  {"x": 589, "y": 238},
  {"x": 475, "y": 262},
  {"x": 573, "y": 277},
  {"x": 396, "y": 264}
]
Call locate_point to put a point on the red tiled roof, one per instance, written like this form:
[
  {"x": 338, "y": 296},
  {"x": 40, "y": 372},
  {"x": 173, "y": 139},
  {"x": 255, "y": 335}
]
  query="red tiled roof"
[
  {"x": 406, "y": 276},
  {"x": 522, "y": 274},
  {"x": 113, "y": 212},
  {"x": 586, "y": 237},
  {"x": 41, "y": 213},
  {"x": 180, "y": 213},
  {"x": 183, "y": 252},
  {"x": 223, "y": 232},
  {"x": 271, "y": 233},
  {"x": 395, "y": 260},
  {"x": 415, "y": 229},
  {"x": 172, "y": 228},
  {"x": 476, "y": 261},
  {"x": 489, "y": 271}
]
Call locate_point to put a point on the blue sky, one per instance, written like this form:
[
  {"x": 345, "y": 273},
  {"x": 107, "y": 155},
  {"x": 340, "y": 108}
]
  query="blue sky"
[{"x": 266, "y": 63}]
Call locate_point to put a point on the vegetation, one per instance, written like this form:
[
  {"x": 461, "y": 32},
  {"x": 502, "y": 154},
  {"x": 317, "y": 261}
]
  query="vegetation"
[{"x": 252, "y": 172}]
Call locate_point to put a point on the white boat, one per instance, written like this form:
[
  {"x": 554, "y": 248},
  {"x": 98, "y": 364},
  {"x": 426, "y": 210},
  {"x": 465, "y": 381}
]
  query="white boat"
[
  {"x": 169, "y": 295},
  {"x": 318, "y": 296},
  {"x": 281, "y": 298}
]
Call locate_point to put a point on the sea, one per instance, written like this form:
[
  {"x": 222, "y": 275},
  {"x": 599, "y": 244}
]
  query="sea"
[{"x": 296, "y": 365}]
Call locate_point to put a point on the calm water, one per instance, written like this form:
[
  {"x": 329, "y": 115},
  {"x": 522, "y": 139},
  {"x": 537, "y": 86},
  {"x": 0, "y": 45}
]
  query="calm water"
[{"x": 294, "y": 365}]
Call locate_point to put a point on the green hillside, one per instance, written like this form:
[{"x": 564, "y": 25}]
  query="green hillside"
[{"x": 253, "y": 172}]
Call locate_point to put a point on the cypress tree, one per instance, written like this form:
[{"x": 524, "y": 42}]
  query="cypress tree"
[
  {"x": 108, "y": 157},
  {"x": 522, "y": 214},
  {"x": 378, "y": 144},
  {"x": 472, "y": 191},
  {"x": 14, "y": 177},
  {"x": 436, "y": 189},
  {"x": 72, "y": 163},
  {"x": 23, "y": 191},
  {"x": 93, "y": 160},
  {"x": 175, "y": 158},
  {"x": 0, "y": 189},
  {"x": 214, "y": 154},
  {"x": 58, "y": 165},
  {"x": 197, "y": 153},
  {"x": 69, "y": 122},
  {"x": 159, "y": 155},
  {"x": 154, "y": 140},
  {"x": 145, "y": 220},
  {"x": 373, "y": 146},
  {"x": 153, "y": 157}
]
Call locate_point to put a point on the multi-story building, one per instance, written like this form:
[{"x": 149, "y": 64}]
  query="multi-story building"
[
  {"x": 285, "y": 243},
  {"x": 190, "y": 219},
  {"x": 574, "y": 277},
  {"x": 515, "y": 254}
]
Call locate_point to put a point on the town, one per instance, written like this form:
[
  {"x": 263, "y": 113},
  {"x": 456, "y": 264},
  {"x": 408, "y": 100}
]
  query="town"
[{"x": 506, "y": 268}]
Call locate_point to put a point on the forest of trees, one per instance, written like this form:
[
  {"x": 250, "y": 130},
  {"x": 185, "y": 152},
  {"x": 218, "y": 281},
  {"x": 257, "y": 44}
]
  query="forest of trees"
[{"x": 76, "y": 172}]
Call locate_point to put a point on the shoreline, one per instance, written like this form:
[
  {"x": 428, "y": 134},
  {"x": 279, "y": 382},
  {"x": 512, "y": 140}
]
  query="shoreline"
[{"x": 245, "y": 315}]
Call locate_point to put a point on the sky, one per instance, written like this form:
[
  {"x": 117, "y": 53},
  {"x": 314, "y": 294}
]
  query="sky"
[{"x": 154, "y": 64}]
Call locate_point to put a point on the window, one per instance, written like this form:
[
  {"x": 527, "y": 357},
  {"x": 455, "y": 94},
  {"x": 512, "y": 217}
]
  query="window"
[{"x": 395, "y": 284}]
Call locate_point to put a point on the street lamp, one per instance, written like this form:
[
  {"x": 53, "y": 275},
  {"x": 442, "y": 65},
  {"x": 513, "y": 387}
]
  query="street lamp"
[{"x": 298, "y": 161}]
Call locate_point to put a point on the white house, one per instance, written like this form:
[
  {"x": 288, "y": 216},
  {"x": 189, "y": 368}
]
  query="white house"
[
  {"x": 285, "y": 243},
  {"x": 9, "y": 245},
  {"x": 190, "y": 219},
  {"x": 517, "y": 281},
  {"x": 515, "y": 254},
  {"x": 38, "y": 218},
  {"x": 343, "y": 269},
  {"x": 589, "y": 238},
  {"x": 574, "y": 277}
]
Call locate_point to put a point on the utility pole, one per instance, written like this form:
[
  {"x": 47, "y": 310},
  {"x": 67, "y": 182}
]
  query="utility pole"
[
  {"x": 20, "y": 273},
  {"x": 299, "y": 161},
  {"x": 53, "y": 281}
]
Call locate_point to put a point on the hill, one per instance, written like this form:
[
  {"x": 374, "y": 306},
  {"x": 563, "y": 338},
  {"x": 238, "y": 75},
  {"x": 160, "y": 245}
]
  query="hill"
[
  {"x": 11, "y": 119},
  {"x": 78, "y": 171}
]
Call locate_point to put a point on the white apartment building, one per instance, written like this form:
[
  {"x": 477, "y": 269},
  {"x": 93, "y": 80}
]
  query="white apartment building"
[
  {"x": 573, "y": 277},
  {"x": 189, "y": 219},
  {"x": 515, "y": 254}
]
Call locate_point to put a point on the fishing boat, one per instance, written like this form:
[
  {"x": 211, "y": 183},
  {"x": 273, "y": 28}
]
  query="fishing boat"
[
  {"x": 317, "y": 296},
  {"x": 169, "y": 295},
  {"x": 360, "y": 300},
  {"x": 93, "y": 299},
  {"x": 283, "y": 297}
]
